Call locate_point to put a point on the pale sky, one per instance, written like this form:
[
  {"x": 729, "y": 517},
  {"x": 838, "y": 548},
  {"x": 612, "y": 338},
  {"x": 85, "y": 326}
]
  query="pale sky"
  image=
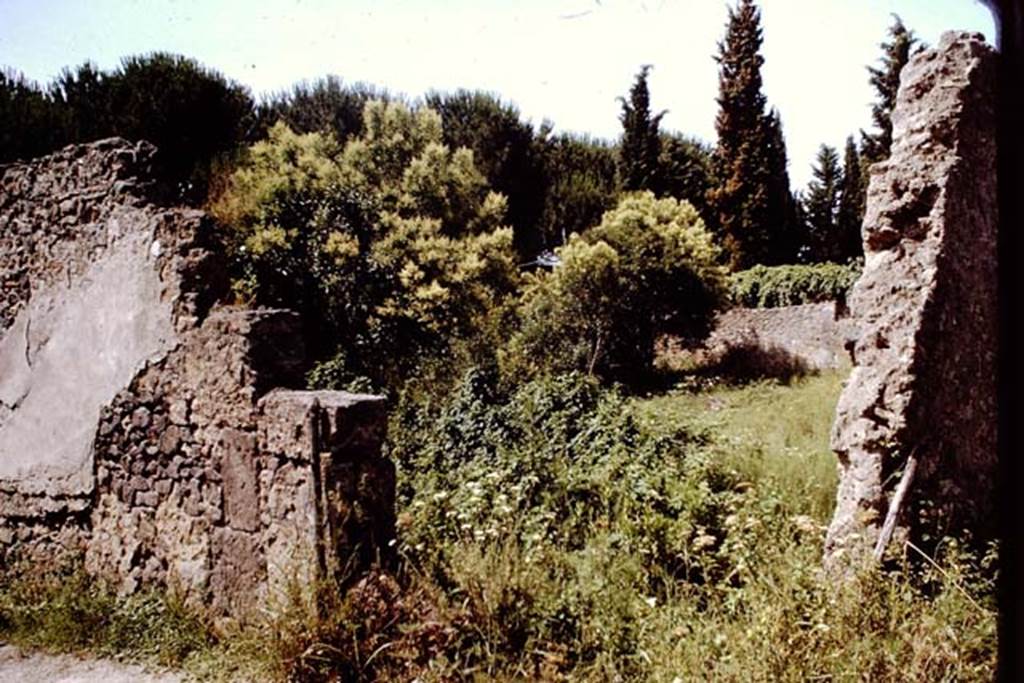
[{"x": 562, "y": 60}]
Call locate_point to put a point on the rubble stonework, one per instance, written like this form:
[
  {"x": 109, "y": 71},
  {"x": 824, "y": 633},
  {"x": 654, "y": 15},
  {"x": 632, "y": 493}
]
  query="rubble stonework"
[
  {"x": 812, "y": 333},
  {"x": 144, "y": 426},
  {"x": 923, "y": 383}
]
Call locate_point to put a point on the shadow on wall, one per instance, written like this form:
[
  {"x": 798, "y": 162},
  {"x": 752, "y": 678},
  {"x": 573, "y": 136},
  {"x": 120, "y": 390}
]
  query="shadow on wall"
[{"x": 751, "y": 358}]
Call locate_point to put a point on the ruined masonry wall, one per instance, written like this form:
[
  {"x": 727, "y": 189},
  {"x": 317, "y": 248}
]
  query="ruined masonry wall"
[
  {"x": 142, "y": 425},
  {"x": 924, "y": 376}
]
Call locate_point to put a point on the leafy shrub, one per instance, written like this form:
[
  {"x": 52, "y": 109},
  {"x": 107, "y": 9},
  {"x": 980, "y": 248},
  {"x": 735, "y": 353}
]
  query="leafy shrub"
[
  {"x": 648, "y": 268},
  {"x": 391, "y": 246},
  {"x": 771, "y": 286},
  {"x": 549, "y": 465}
]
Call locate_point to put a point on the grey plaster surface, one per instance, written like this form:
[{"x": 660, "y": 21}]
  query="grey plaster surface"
[{"x": 69, "y": 351}]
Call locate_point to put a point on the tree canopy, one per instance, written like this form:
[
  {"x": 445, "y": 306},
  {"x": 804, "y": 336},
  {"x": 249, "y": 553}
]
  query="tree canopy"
[
  {"x": 750, "y": 199},
  {"x": 640, "y": 147}
]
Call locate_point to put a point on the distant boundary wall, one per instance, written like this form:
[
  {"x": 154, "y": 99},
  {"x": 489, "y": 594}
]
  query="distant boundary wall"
[{"x": 814, "y": 333}]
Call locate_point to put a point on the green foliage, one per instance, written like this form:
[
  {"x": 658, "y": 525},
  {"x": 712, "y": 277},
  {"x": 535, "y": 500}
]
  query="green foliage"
[
  {"x": 505, "y": 151},
  {"x": 569, "y": 533},
  {"x": 686, "y": 172},
  {"x": 852, "y": 198},
  {"x": 62, "y": 608},
  {"x": 28, "y": 119},
  {"x": 580, "y": 173},
  {"x": 327, "y": 105},
  {"x": 885, "y": 79},
  {"x": 640, "y": 147},
  {"x": 558, "y": 531},
  {"x": 191, "y": 113},
  {"x": 821, "y": 204},
  {"x": 648, "y": 268},
  {"x": 559, "y": 464},
  {"x": 391, "y": 246},
  {"x": 751, "y": 197},
  {"x": 767, "y": 287}
]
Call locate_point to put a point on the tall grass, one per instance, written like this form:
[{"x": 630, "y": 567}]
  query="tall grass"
[{"x": 564, "y": 533}]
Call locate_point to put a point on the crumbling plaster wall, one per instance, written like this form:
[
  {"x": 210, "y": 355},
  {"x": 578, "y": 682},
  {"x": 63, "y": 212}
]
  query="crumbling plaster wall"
[
  {"x": 143, "y": 425},
  {"x": 95, "y": 283}
]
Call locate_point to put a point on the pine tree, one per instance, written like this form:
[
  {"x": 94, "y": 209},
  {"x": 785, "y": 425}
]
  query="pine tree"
[
  {"x": 641, "y": 144},
  {"x": 885, "y": 79},
  {"x": 749, "y": 199},
  {"x": 851, "y": 204},
  {"x": 822, "y": 203}
]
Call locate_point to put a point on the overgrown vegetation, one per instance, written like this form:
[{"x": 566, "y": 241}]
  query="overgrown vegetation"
[
  {"x": 555, "y": 521},
  {"x": 562, "y": 531},
  {"x": 768, "y": 287},
  {"x": 61, "y": 608}
]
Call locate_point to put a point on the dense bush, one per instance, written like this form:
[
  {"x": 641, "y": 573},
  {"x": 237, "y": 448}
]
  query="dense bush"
[
  {"x": 648, "y": 268},
  {"x": 767, "y": 287},
  {"x": 550, "y": 464},
  {"x": 391, "y": 246},
  {"x": 561, "y": 480}
]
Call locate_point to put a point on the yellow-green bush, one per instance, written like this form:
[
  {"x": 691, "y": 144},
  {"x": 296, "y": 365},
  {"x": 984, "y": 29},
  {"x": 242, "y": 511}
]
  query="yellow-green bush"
[
  {"x": 391, "y": 247},
  {"x": 648, "y": 268}
]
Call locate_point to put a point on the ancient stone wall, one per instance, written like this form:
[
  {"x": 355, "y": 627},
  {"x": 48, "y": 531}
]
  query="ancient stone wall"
[
  {"x": 145, "y": 426},
  {"x": 812, "y": 333},
  {"x": 95, "y": 282},
  {"x": 923, "y": 386}
]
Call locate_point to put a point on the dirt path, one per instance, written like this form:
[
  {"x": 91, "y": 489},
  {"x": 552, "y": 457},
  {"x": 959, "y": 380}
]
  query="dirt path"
[{"x": 18, "y": 666}]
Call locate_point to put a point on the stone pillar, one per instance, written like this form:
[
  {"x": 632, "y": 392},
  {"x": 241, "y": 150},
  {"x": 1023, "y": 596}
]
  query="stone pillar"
[
  {"x": 327, "y": 496},
  {"x": 923, "y": 385}
]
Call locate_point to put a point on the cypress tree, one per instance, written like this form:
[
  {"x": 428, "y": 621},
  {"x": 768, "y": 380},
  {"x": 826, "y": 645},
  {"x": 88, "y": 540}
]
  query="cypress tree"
[
  {"x": 821, "y": 204},
  {"x": 851, "y": 204},
  {"x": 782, "y": 242},
  {"x": 748, "y": 200},
  {"x": 641, "y": 144},
  {"x": 885, "y": 79}
]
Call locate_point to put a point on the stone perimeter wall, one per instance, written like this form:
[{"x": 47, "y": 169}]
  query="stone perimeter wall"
[
  {"x": 182, "y": 463},
  {"x": 924, "y": 376},
  {"x": 813, "y": 333}
]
